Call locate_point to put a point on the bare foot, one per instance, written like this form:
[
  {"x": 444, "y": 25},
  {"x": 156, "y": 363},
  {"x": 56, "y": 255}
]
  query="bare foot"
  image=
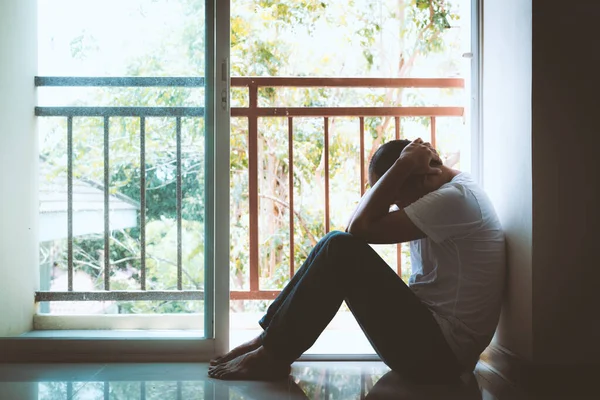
[
  {"x": 238, "y": 351},
  {"x": 255, "y": 365}
]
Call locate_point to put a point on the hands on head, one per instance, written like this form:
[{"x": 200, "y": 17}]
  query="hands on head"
[{"x": 419, "y": 156}]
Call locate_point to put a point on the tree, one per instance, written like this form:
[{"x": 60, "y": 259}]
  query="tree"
[{"x": 385, "y": 38}]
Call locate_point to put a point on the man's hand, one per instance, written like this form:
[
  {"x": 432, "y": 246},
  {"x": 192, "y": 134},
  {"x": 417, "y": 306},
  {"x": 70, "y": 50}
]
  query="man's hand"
[{"x": 418, "y": 155}]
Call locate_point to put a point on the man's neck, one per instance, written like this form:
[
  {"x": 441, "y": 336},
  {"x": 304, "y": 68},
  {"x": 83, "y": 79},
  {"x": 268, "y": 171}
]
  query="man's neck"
[
  {"x": 446, "y": 176},
  {"x": 448, "y": 173}
]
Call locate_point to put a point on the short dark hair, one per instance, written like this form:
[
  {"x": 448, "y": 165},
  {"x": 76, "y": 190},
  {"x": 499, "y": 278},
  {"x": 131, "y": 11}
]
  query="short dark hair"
[{"x": 385, "y": 156}]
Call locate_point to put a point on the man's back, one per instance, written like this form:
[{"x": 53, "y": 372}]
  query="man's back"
[{"x": 459, "y": 269}]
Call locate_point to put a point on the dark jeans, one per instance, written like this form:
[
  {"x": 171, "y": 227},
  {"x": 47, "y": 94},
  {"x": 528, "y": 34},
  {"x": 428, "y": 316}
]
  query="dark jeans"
[{"x": 399, "y": 326}]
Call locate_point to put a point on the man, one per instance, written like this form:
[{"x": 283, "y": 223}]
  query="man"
[{"x": 430, "y": 331}]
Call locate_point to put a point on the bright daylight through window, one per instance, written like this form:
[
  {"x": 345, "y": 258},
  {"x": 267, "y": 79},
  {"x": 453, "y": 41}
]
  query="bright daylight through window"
[
  {"x": 122, "y": 161},
  {"x": 122, "y": 193}
]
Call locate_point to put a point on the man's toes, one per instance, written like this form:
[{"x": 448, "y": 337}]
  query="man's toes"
[
  {"x": 219, "y": 374},
  {"x": 214, "y": 371},
  {"x": 212, "y": 367},
  {"x": 218, "y": 368}
]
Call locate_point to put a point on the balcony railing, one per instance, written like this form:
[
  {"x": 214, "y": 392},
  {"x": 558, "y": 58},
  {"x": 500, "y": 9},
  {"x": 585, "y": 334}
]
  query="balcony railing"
[{"x": 252, "y": 114}]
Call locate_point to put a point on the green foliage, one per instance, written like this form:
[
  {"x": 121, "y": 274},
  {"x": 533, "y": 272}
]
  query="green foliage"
[{"x": 260, "y": 46}]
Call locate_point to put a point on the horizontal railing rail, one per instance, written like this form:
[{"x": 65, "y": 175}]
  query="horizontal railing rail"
[
  {"x": 252, "y": 113},
  {"x": 120, "y": 295},
  {"x": 119, "y": 111},
  {"x": 260, "y": 81},
  {"x": 133, "y": 81}
]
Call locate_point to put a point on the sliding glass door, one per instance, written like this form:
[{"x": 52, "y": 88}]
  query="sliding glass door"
[
  {"x": 134, "y": 158},
  {"x": 317, "y": 87}
]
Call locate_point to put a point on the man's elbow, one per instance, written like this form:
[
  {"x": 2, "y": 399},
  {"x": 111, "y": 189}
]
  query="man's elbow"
[{"x": 357, "y": 228}]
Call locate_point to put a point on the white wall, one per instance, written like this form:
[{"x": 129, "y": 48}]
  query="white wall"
[
  {"x": 541, "y": 128},
  {"x": 506, "y": 114},
  {"x": 566, "y": 182},
  {"x": 18, "y": 165}
]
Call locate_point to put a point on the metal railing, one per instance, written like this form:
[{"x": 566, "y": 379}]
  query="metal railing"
[
  {"x": 252, "y": 113},
  {"x": 110, "y": 112}
]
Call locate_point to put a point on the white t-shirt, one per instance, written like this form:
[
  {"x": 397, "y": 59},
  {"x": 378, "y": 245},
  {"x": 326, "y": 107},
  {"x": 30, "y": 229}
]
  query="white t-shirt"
[{"x": 459, "y": 269}]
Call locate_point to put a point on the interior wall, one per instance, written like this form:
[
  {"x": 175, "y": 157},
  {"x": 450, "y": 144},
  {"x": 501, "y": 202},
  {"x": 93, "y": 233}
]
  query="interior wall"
[
  {"x": 18, "y": 165},
  {"x": 566, "y": 125},
  {"x": 506, "y": 147}
]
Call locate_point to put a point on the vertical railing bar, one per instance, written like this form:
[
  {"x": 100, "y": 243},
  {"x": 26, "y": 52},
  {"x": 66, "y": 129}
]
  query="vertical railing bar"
[
  {"x": 326, "y": 155},
  {"x": 106, "y": 205},
  {"x": 106, "y": 390},
  {"x": 143, "y": 390},
  {"x": 362, "y": 156},
  {"x": 399, "y": 245},
  {"x": 179, "y": 230},
  {"x": 179, "y": 390},
  {"x": 143, "y": 202},
  {"x": 69, "y": 390},
  {"x": 433, "y": 128},
  {"x": 70, "y": 201},
  {"x": 291, "y": 190},
  {"x": 253, "y": 187}
]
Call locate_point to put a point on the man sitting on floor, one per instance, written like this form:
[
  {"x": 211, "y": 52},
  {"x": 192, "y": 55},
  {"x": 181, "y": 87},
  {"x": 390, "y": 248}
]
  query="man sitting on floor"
[{"x": 432, "y": 330}]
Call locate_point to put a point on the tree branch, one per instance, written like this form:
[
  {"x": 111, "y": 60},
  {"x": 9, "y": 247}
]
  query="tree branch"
[{"x": 303, "y": 223}]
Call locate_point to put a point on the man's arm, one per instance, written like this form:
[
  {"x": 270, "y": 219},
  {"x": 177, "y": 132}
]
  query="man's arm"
[{"x": 372, "y": 220}]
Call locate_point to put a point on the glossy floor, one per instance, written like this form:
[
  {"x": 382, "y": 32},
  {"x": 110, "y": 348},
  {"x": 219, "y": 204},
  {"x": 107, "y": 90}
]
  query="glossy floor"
[{"x": 309, "y": 380}]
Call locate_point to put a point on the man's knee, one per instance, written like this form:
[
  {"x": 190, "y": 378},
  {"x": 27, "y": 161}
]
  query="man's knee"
[
  {"x": 342, "y": 243},
  {"x": 336, "y": 236}
]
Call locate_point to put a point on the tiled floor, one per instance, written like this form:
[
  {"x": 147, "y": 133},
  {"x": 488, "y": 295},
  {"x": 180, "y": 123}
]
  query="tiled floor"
[{"x": 309, "y": 380}]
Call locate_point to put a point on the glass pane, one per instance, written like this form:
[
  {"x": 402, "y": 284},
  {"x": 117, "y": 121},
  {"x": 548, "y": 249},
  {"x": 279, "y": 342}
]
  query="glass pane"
[
  {"x": 53, "y": 224},
  {"x": 364, "y": 39},
  {"x": 156, "y": 230},
  {"x": 121, "y": 38}
]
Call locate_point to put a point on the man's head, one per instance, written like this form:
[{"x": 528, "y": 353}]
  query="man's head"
[{"x": 416, "y": 186}]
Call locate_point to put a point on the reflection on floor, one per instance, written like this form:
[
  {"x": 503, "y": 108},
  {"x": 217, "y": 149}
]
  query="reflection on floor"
[{"x": 309, "y": 380}]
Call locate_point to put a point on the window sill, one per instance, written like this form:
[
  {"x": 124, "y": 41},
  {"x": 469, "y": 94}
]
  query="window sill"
[
  {"x": 108, "y": 346},
  {"x": 120, "y": 322},
  {"x": 115, "y": 334}
]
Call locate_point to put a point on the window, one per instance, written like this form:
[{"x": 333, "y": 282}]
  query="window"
[
  {"x": 127, "y": 157},
  {"x": 130, "y": 158}
]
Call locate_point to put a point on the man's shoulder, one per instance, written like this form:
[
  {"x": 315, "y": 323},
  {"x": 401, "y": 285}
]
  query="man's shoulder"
[
  {"x": 463, "y": 179},
  {"x": 459, "y": 190}
]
